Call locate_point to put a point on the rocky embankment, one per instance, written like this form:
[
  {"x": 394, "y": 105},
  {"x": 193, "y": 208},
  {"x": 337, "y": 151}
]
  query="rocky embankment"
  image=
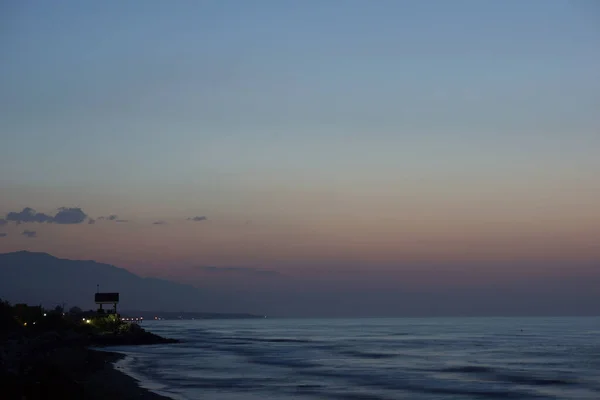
[{"x": 134, "y": 336}]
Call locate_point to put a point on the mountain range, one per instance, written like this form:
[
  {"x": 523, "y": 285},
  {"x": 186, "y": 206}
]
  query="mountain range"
[{"x": 40, "y": 278}]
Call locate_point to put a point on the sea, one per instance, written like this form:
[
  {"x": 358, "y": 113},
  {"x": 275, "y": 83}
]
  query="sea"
[{"x": 371, "y": 359}]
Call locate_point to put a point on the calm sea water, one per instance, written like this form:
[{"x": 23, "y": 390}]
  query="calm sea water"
[{"x": 374, "y": 359}]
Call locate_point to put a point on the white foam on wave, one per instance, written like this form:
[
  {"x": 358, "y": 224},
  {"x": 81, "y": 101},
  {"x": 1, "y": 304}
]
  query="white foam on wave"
[{"x": 127, "y": 364}]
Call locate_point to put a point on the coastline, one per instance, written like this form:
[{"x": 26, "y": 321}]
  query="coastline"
[
  {"x": 72, "y": 372},
  {"x": 108, "y": 382},
  {"x": 65, "y": 358},
  {"x": 76, "y": 372}
]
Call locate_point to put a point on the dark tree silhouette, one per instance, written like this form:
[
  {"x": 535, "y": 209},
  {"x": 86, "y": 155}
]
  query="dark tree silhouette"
[{"x": 75, "y": 310}]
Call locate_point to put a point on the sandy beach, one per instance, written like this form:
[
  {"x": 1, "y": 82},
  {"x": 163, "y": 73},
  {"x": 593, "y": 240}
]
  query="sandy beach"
[
  {"x": 120, "y": 385},
  {"x": 76, "y": 373}
]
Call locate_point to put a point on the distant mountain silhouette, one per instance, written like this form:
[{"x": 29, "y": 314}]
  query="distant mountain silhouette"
[{"x": 39, "y": 278}]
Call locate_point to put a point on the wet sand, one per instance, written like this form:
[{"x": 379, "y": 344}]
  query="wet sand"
[{"x": 120, "y": 386}]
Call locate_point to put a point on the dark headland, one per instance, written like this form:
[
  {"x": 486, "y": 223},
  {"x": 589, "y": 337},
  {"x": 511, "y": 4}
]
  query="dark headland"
[{"x": 50, "y": 355}]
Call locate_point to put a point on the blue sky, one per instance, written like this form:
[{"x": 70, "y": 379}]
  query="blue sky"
[
  {"x": 370, "y": 131},
  {"x": 209, "y": 86}
]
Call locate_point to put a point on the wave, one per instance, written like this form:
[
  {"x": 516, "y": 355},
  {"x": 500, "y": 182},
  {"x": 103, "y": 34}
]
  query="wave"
[
  {"x": 377, "y": 362},
  {"x": 367, "y": 354},
  {"x": 498, "y": 375},
  {"x": 469, "y": 369},
  {"x": 267, "y": 340}
]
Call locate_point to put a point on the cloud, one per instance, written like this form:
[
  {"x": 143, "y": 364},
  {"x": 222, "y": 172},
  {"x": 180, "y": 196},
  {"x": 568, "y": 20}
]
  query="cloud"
[
  {"x": 29, "y": 234},
  {"x": 112, "y": 217},
  {"x": 3, "y": 234},
  {"x": 3, "y": 222},
  {"x": 198, "y": 219},
  {"x": 236, "y": 270},
  {"x": 69, "y": 216},
  {"x": 28, "y": 215},
  {"x": 65, "y": 215},
  {"x": 159, "y": 223},
  {"x": 91, "y": 221}
]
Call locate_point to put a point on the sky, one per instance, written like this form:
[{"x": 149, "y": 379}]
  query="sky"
[{"x": 353, "y": 148}]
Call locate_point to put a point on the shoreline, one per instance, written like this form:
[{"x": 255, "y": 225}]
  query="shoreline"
[
  {"x": 48, "y": 354},
  {"x": 121, "y": 386},
  {"x": 76, "y": 372}
]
